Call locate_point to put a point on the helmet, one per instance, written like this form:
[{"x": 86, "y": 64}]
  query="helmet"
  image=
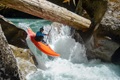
[{"x": 41, "y": 29}]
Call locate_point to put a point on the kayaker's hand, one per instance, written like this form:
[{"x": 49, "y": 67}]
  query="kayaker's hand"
[{"x": 47, "y": 34}]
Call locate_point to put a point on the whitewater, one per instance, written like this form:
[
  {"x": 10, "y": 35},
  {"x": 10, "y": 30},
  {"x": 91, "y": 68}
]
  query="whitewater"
[{"x": 72, "y": 64}]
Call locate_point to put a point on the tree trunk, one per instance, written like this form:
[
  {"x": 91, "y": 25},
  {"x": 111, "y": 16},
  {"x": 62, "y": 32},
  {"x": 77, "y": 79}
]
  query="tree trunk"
[
  {"x": 8, "y": 65},
  {"x": 49, "y": 11}
]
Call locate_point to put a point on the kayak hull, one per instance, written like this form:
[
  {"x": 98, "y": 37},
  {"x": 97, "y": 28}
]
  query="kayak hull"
[{"x": 41, "y": 46}]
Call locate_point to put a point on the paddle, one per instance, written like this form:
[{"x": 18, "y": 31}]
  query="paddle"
[{"x": 48, "y": 33}]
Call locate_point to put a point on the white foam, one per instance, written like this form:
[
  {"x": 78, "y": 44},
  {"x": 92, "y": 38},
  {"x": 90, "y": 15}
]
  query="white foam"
[{"x": 72, "y": 65}]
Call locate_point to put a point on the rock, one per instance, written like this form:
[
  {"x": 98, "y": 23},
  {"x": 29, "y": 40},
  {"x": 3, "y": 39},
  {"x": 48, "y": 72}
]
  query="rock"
[
  {"x": 8, "y": 65},
  {"x": 104, "y": 49},
  {"x": 112, "y": 16},
  {"x": 24, "y": 60},
  {"x": 13, "y": 34},
  {"x": 9, "y": 54},
  {"x": 93, "y": 10},
  {"x": 106, "y": 39},
  {"x": 22, "y": 53}
]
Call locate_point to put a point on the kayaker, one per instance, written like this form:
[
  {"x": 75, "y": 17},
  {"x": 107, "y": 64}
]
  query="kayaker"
[{"x": 40, "y": 35}]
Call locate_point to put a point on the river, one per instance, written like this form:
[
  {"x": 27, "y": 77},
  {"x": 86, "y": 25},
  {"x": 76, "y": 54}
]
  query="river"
[{"x": 72, "y": 64}]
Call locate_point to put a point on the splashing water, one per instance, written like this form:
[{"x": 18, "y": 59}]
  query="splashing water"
[
  {"x": 72, "y": 64},
  {"x": 66, "y": 46},
  {"x": 61, "y": 69}
]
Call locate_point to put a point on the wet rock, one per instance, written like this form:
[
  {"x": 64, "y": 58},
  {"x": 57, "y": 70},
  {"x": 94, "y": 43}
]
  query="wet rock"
[
  {"x": 22, "y": 53},
  {"x": 110, "y": 24},
  {"x": 94, "y": 10},
  {"x": 104, "y": 49},
  {"x": 24, "y": 59},
  {"x": 8, "y": 65},
  {"x": 106, "y": 39},
  {"x": 14, "y": 35}
]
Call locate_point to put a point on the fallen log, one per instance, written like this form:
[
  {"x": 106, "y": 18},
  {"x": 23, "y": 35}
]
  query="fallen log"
[{"x": 49, "y": 11}]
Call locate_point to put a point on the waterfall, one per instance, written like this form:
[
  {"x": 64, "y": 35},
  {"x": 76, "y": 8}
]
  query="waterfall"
[{"x": 72, "y": 64}]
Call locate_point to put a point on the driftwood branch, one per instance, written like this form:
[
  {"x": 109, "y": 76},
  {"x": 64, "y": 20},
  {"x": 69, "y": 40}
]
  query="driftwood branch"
[{"x": 49, "y": 11}]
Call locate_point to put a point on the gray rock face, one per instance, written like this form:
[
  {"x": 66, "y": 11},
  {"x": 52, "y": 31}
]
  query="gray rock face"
[
  {"x": 10, "y": 35},
  {"x": 102, "y": 40},
  {"x": 106, "y": 39},
  {"x": 111, "y": 18},
  {"x": 110, "y": 24},
  {"x": 8, "y": 66}
]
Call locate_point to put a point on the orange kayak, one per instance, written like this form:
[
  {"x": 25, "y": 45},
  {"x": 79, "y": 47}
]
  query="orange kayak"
[{"x": 41, "y": 46}]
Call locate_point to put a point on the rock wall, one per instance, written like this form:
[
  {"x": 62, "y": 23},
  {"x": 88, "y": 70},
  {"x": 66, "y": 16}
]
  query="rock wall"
[
  {"x": 105, "y": 40},
  {"x": 94, "y": 10},
  {"x": 107, "y": 36},
  {"x": 14, "y": 35},
  {"x": 102, "y": 39},
  {"x": 8, "y": 65},
  {"x": 9, "y": 54},
  {"x": 25, "y": 60}
]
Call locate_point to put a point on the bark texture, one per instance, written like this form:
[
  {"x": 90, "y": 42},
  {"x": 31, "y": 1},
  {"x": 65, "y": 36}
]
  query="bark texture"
[{"x": 49, "y": 11}]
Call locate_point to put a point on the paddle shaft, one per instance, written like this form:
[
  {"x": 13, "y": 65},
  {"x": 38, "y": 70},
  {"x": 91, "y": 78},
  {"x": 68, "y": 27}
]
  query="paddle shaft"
[{"x": 48, "y": 33}]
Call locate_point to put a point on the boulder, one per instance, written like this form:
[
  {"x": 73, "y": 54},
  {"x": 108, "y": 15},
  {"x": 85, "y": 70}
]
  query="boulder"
[
  {"x": 13, "y": 34},
  {"x": 16, "y": 60},
  {"x": 8, "y": 64},
  {"x": 24, "y": 59},
  {"x": 105, "y": 42}
]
